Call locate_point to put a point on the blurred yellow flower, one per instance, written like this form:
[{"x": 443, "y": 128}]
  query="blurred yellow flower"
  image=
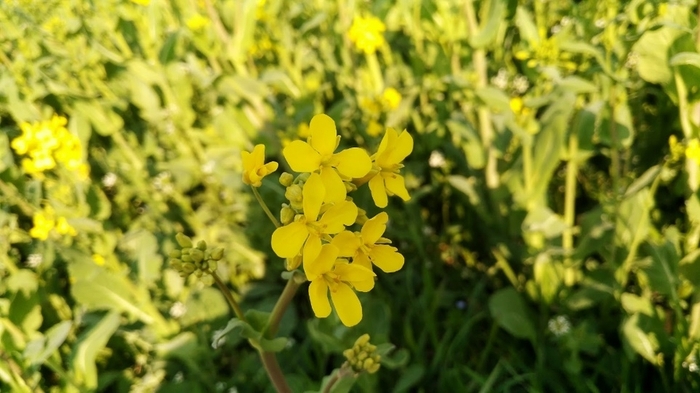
[
  {"x": 693, "y": 150},
  {"x": 318, "y": 155},
  {"x": 516, "y": 105},
  {"x": 303, "y": 131},
  {"x": 374, "y": 128},
  {"x": 44, "y": 221},
  {"x": 328, "y": 273},
  {"x": 366, "y": 34},
  {"x": 254, "y": 166},
  {"x": 307, "y": 230},
  {"x": 369, "y": 247},
  {"x": 98, "y": 259},
  {"x": 47, "y": 143},
  {"x": 391, "y": 98},
  {"x": 197, "y": 22},
  {"x": 369, "y": 105},
  {"x": 141, "y": 2},
  {"x": 676, "y": 149},
  {"x": 393, "y": 149}
]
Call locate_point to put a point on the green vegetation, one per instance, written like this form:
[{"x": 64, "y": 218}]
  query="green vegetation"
[{"x": 551, "y": 239}]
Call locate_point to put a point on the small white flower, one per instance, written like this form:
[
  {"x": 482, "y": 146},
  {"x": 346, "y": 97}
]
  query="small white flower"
[
  {"x": 177, "y": 310},
  {"x": 501, "y": 79},
  {"x": 34, "y": 260},
  {"x": 179, "y": 377},
  {"x": 208, "y": 167},
  {"x": 109, "y": 180},
  {"x": 565, "y": 21},
  {"x": 555, "y": 29},
  {"x": 162, "y": 182},
  {"x": 559, "y": 325},
  {"x": 600, "y": 23},
  {"x": 436, "y": 160},
  {"x": 233, "y": 390},
  {"x": 521, "y": 84}
]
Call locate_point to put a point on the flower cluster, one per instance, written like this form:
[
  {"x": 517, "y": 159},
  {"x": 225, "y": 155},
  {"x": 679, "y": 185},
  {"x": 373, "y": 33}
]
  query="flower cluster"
[
  {"x": 313, "y": 232},
  {"x": 46, "y": 220},
  {"x": 197, "y": 260},
  {"x": 363, "y": 356},
  {"x": 375, "y": 106},
  {"x": 366, "y": 34},
  {"x": 47, "y": 143}
]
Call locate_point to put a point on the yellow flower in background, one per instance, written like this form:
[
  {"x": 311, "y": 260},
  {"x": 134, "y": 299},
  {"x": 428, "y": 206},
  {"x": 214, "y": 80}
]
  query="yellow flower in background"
[
  {"x": 254, "y": 166},
  {"x": 45, "y": 220},
  {"x": 327, "y": 273},
  {"x": 374, "y": 128},
  {"x": 366, "y": 34},
  {"x": 307, "y": 229},
  {"x": 48, "y": 143},
  {"x": 676, "y": 149},
  {"x": 391, "y": 98},
  {"x": 369, "y": 247},
  {"x": 303, "y": 131},
  {"x": 318, "y": 155},
  {"x": 393, "y": 149},
  {"x": 141, "y": 2},
  {"x": 197, "y": 22},
  {"x": 516, "y": 105},
  {"x": 98, "y": 259},
  {"x": 693, "y": 150}
]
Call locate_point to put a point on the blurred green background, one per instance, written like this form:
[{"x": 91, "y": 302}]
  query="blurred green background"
[{"x": 551, "y": 241}]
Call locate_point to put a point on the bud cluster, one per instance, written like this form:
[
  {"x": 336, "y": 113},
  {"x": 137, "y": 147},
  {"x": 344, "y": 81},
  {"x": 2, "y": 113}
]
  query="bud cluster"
[
  {"x": 197, "y": 260},
  {"x": 363, "y": 356}
]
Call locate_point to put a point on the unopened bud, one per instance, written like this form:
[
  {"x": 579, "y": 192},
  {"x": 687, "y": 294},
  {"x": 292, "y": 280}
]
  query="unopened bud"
[
  {"x": 176, "y": 264},
  {"x": 202, "y": 245},
  {"x": 349, "y": 354},
  {"x": 349, "y": 187},
  {"x": 294, "y": 193},
  {"x": 198, "y": 273},
  {"x": 197, "y": 255},
  {"x": 367, "y": 363},
  {"x": 286, "y": 214},
  {"x": 188, "y": 267},
  {"x": 373, "y": 369},
  {"x": 183, "y": 241},
  {"x": 362, "y": 355},
  {"x": 362, "y": 340},
  {"x": 212, "y": 265},
  {"x": 361, "y": 217},
  {"x": 175, "y": 254},
  {"x": 208, "y": 280},
  {"x": 293, "y": 263},
  {"x": 217, "y": 253},
  {"x": 187, "y": 258},
  {"x": 286, "y": 179}
]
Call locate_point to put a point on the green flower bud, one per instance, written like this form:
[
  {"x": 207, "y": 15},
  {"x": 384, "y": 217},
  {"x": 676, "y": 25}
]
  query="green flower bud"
[
  {"x": 294, "y": 194},
  {"x": 175, "y": 254},
  {"x": 349, "y": 187},
  {"x": 286, "y": 214},
  {"x": 198, "y": 273},
  {"x": 362, "y": 340},
  {"x": 293, "y": 263},
  {"x": 217, "y": 253},
  {"x": 176, "y": 264},
  {"x": 286, "y": 179},
  {"x": 202, "y": 245},
  {"x": 197, "y": 255},
  {"x": 208, "y": 280},
  {"x": 186, "y": 251},
  {"x": 184, "y": 274},
  {"x": 361, "y": 217},
  {"x": 188, "y": 267},
  {"x": 205, "y": 266},
  {"x": 212, "y": 265},
  {"x": 187, "y": 258},
  {"x": 183, "y": 241}
]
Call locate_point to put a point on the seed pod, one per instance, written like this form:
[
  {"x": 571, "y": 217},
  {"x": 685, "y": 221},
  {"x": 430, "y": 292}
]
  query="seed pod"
[{"x": 183, "y": 241}]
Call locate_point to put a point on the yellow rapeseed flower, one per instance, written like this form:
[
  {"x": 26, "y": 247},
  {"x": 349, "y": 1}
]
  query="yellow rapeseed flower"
[
  {"x": 254, "y": 166},
  {"x": 393, "y": 149},
  {"x": 308, "y": 229},
  {"x": 366, "y": 34},
  {"x": 369, "y": 247},
  {"x": 197, "y": 22},
  {"x": 318, "y": 155},
  {"x": 374, "y": 128},
  {"x": 391, "y": 98},
  {"x": 141, "y": 2},
  {"x": 328, "y": 273},
  {"x": 45, "y": 220},
  {"x": 693, "y": 150}
]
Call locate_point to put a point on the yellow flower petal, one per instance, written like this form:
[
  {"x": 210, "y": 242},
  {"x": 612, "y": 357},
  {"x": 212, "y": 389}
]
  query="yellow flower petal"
[
  {"x": 395, "y": 184},
  {"x": 386, "y": 258},
  {"x": 322, "y": 264},
  {"x": 347, "y": 305},
  {"x": 271, "y": 167},
  {"x": 347, "y": 243},
  {"x": 351, "y": 272},
  {"x": 313, "y": 194},
  {"x": 388, "y": 139},
  {"x": 288, "y": 240},
  {"x": 353, "y": 162},
  {"x": 362, "y": 259},
  {"x": 335, "y": 189},
  {"x": 301, "y": 157},
  {"x": 374, "y": 228},
  {"x": 338, "y": 217},
  {"x": 376, "y": 187},
  {"x": 401, "y": 150},
  {"x": 323, "y": 134},
  {"x": 312, "y": 249},
  {"x": 318, "y": 294},
  {"x": 364, "y": 285}
]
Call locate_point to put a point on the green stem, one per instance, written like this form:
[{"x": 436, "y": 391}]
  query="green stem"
[
  {"x": 274, "y": 372},
  {"x": 265, "y": 208},
  {"x": 282, "y": 303},
  {"x": 375, "y": 71},
  {"x": 483, "y": 114},
  {"x": 229, "y": 297},
  {"x": 570, "y": 208},
  {"x": 343, "y": 372}
]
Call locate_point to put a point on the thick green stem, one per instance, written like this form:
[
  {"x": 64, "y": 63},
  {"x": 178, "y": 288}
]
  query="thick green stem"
[
  {"x": 282, "y": 303},
  {"x": 570, "y": 208},
  {"x": 265, "y": 208},
  {"x": 274, "y": 371},
  {"x": 483, "y": 114},
  {"x": 229, "y": 297},
  {"x": 375, "y": 71}
]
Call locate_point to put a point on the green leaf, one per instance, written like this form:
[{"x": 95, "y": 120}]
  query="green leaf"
[
  {"x": 644, "y": 343},
  {"x": 662, "y": 272},
  {"x": 396, "y": 360},
  {"x": 54, "y": 337},
  {"x": 634, "y": 304},
  {"x": 510, "y": 312},
  {"x": 643, "y": 181},
  {"x": 410, "y": 377},
  {"x": 341, "y": 385},
  {"x": 87, "y": 348},
  {"x": 470, "y": 142},
  {"x": 494, "y": 20},
  {"x": 577, "y": 85},
  {"x": 653, "y": 54},
  {"x": 494, "y": 98},
  {"x": 547, "y": 278}
]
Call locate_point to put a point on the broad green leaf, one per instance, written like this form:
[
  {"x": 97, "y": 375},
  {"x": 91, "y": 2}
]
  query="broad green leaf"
[
  {"x": 634, "y": 304},
  {"x": 87, "y": 348},
  {"x": 653, "y": 54},
  {"x": 511, "y": 313},
  {"x": 644, "y": 343},
  {"x": 547, "y": 277},
  {"x": 662, "y": 272},
  {"x": 53, "y": 339},
  {"x": 642, "y": 181},
  {"x": 494, "y": 21}
]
